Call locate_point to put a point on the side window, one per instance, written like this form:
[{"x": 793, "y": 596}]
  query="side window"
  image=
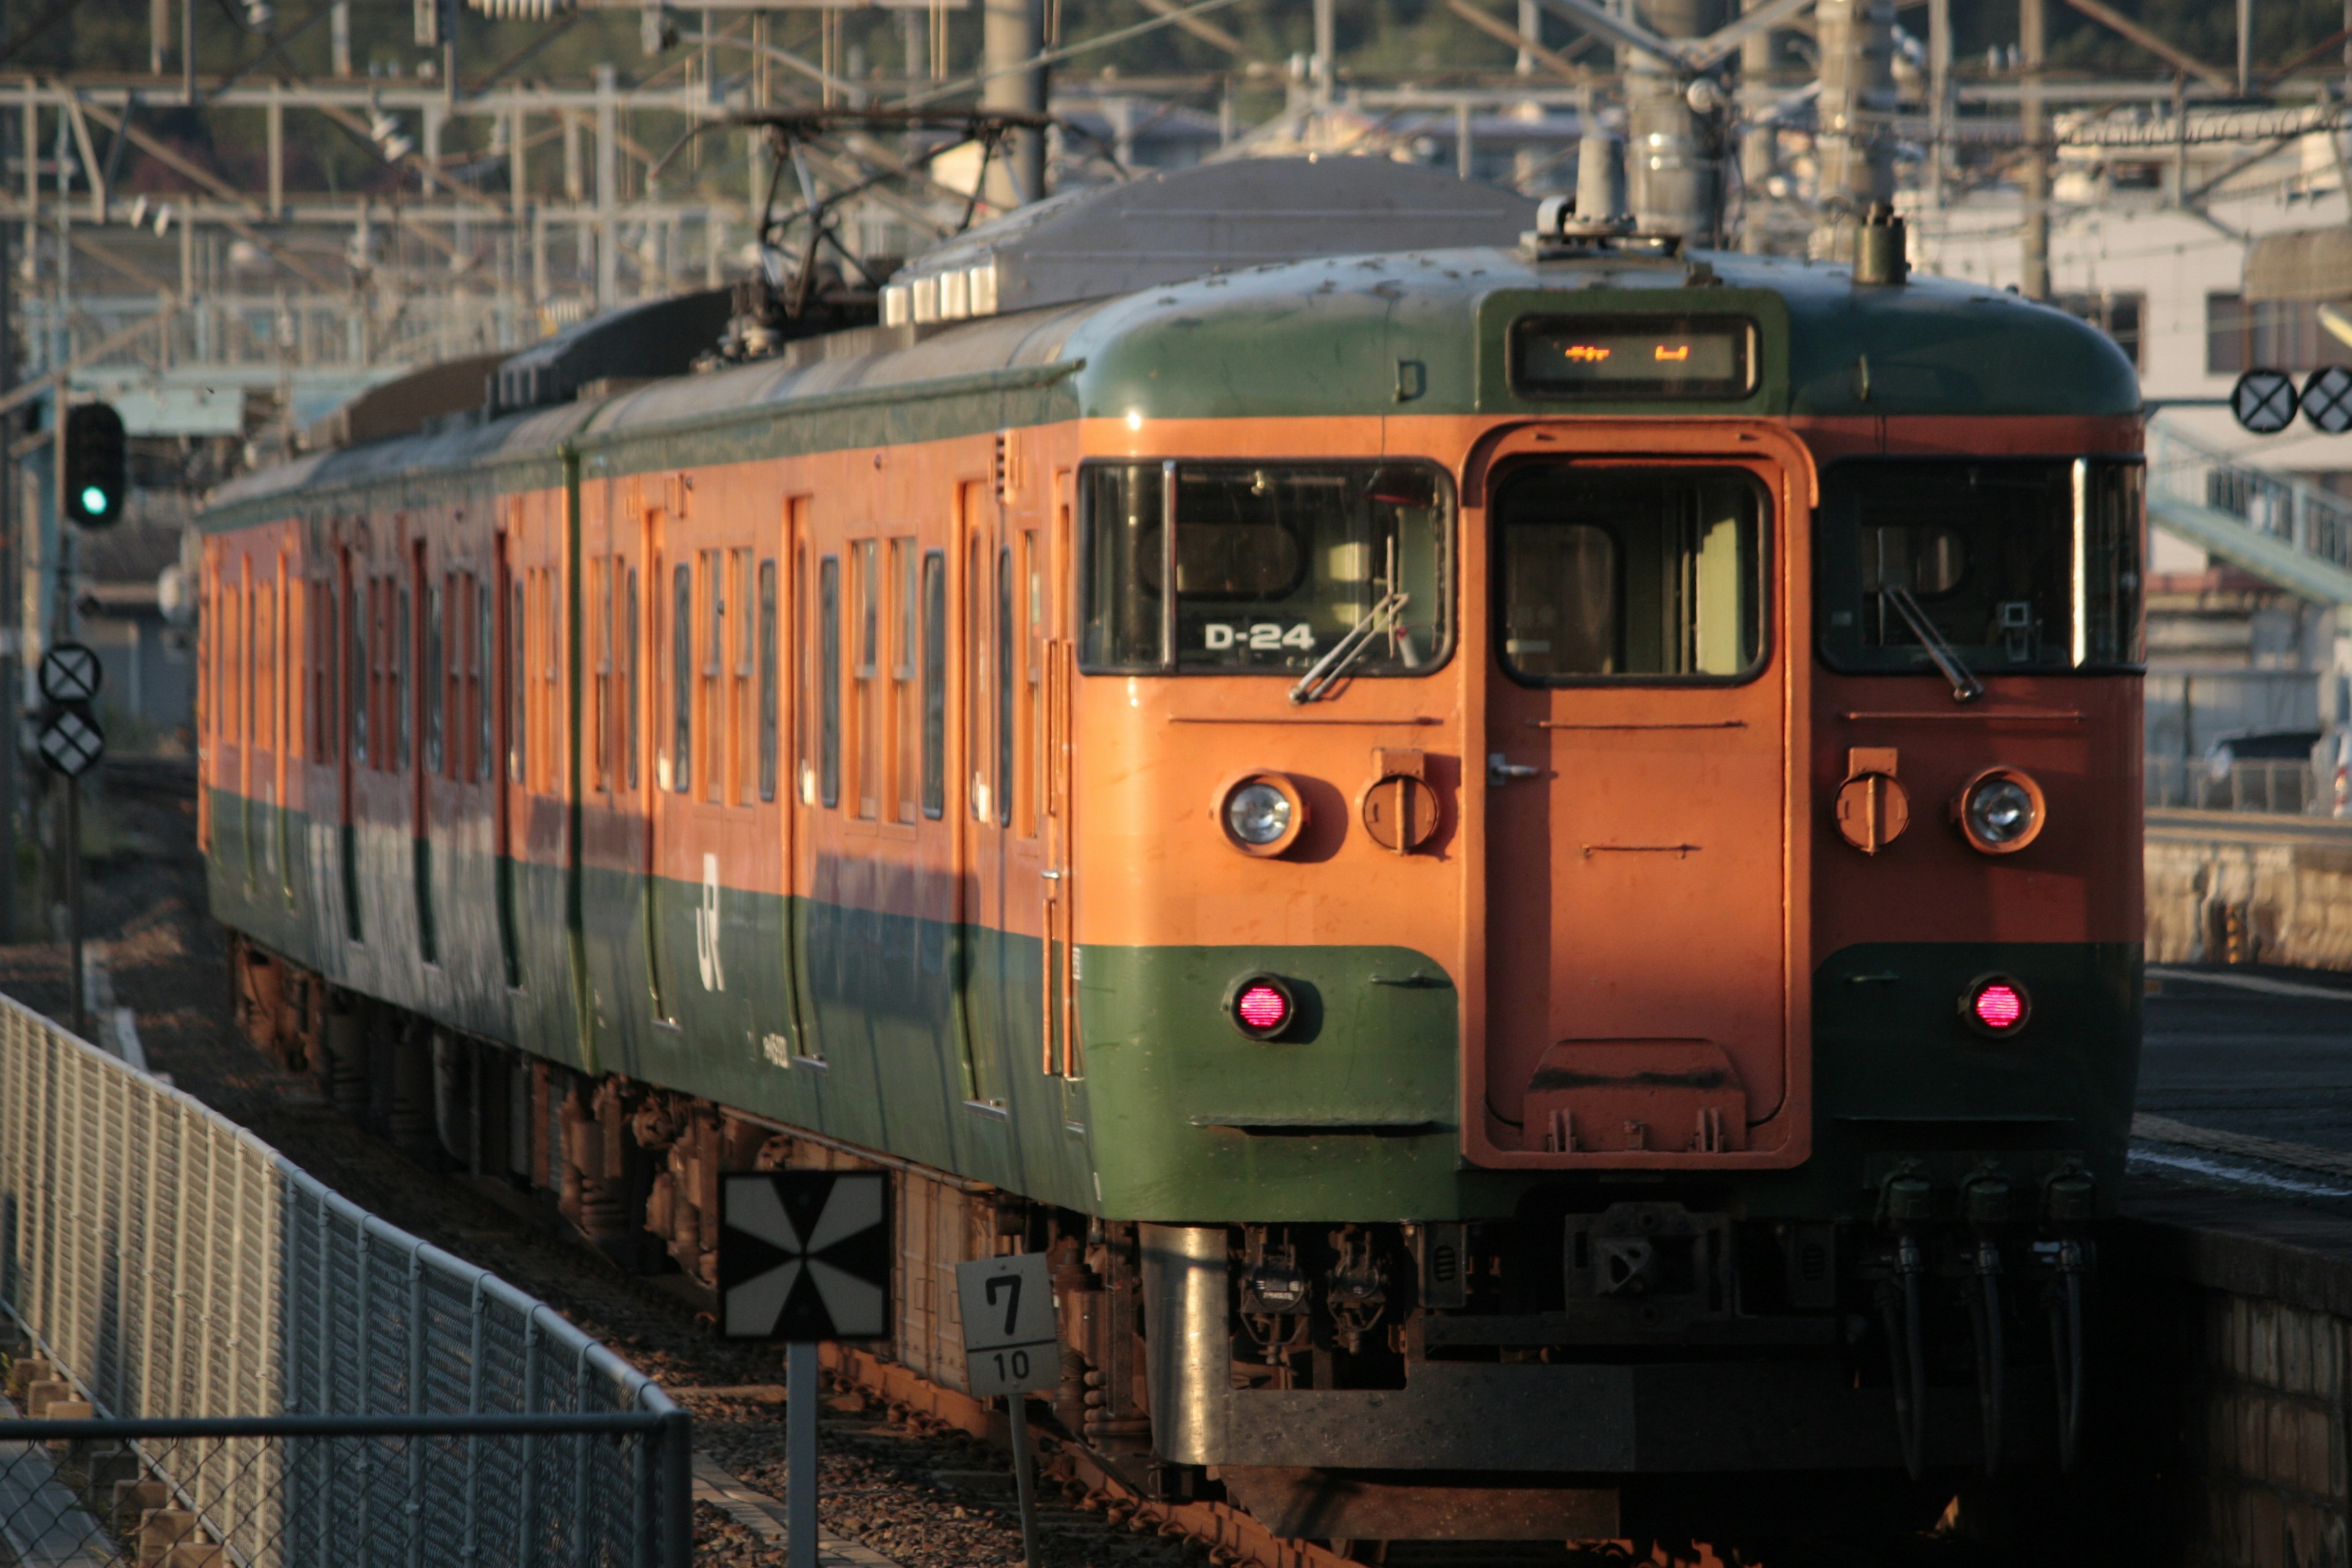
[
  {"x": 207, "y": 628},
  {"x": 465, "y": 761},
  {"x": 551, "y": 696},
  {"x": 357, "y": 668},
  {"x": 461, "y": 589},
  {"x": 1004, "y": 751},
  {"x": 740, "y": 717},
  {"x": 238, "y": 730},
  {"x": 599, "y": 636},
  {"x": 767, "y": 680},
  {"x": 828, "y": 677},
  {"x": 804, "y": 754},
  {"x": 477, "y": 681},
  {"x": 304, "y": 603},
  {"x": 265, "y": 665},
  {"x": 714, "y": 647},
  {"x": 434, "y": 676},
  {"x": 905, "y": 715},
  {"x": 799, "y": 630},
  {"x": 681, "y": 676},
  {"x": 866, "y": 584},
  {"x": 403, "y": 630},
  {"x": 1031, "y": 589},
  {"x": 518, "y": 678},
  {"x": 935, "y": 684},
  {"x": 629, "y": 647},
  {"x": 485, "y": 643},
  {"x": 380, "y": 639},
  {"x": 975, "y": 669},
  {"x": 329, "y": 637}
]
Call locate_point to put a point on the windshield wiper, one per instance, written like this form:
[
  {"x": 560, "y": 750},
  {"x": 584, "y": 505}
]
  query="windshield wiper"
[
  {"x": 1966, "y": 688},
  {"x": 1318, "y": 682}
]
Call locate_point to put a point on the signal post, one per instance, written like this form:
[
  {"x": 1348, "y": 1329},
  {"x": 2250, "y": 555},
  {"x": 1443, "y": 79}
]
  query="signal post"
[{"x": 90, "y": 483}]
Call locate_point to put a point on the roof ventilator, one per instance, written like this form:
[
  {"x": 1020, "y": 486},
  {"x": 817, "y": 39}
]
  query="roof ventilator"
[{"x": 1881, "y": 257}]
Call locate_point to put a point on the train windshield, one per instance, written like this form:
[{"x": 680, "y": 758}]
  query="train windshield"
[
  {"x": 1273, "y": 564},
  {"x": 2030, "y": 564},
  {"x": 1622, "y": 573}
]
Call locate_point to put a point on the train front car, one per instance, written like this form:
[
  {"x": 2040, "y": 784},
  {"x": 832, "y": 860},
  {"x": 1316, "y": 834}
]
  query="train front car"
[{"x": 1607, "y": 872}]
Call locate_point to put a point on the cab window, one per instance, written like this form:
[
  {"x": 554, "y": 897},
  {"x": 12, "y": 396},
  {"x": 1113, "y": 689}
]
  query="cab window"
[
  {"x": 1273, "y": 564},
  {"x": 2016, "y": 565}
]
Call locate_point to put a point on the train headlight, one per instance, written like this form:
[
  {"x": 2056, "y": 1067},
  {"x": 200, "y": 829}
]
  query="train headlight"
[
  {"x": 1258, "y": 814},
  {"x": 1996, "y": 1004},
  {"x": 1261, "y": 813},
  {"x": 1262, "y": 1006},
  {"x": 2001, "y": 811}
]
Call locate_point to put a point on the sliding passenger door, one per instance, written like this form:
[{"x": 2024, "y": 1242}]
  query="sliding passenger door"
[
  {"x": 669, "y": 655},
  {"x": 813, "y": 588},
  {"x": 351, "y": 681},
  {"x": 1056, "y": 666},
  {"x": 425, "y": 759},
  {"x": 537, "y": 906},
  {"x": 980, "y": 901},
  {"x": 511, "y": 807},
  {"x": 322, "y": 776}
]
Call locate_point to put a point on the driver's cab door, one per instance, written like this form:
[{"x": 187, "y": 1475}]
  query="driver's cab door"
[{"x": 1640, "y": 778}]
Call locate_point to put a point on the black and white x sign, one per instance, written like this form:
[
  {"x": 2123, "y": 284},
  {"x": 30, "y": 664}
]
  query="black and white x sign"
[
  {"x": 2264, "y": 400},
  {"x": 71, "y": 672},
  {"x": 804, "y": 1256}
]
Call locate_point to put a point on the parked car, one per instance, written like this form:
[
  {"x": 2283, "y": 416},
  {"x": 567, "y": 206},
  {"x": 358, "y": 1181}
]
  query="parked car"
[{"x": 2260, "y": 746}]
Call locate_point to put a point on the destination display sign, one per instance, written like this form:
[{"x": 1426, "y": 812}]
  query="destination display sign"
[{"x": 1606, "y": 357}]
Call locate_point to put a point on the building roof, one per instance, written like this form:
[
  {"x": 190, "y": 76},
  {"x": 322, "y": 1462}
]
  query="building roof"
[{"x": 2312, "y": 264}]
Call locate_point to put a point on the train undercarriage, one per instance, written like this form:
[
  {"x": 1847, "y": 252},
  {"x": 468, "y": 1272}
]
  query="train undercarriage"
[{"x": 1557, "y": 1375}]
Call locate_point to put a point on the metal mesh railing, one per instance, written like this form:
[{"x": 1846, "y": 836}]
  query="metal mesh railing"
[
  {"x": 167, "y": 1265},
  {"x": 2292, "y": 510},
  {"x": 2275, "y": 787}
]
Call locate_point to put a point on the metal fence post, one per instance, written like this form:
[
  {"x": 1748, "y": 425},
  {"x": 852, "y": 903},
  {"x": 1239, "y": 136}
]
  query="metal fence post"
[
  {"x": 645, "y": 1507},
  {"x": 474, "y": 1444},
  {"x": 325, "y": 1400},
  {"x": 581, "y": 1454},
  {"x": 365, "y": 1357},
  {"x": 415, "y": 1505},
  {"x": 147, "y": 1228},
  {"x": 677, "y": 1489},
  {"x": 533, "y": 1378}
]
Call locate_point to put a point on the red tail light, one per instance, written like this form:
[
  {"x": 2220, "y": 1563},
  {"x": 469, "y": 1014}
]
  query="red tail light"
[
  {"x": 1262, "y": 1006},
  {"x": 1996, "y": 1004}
]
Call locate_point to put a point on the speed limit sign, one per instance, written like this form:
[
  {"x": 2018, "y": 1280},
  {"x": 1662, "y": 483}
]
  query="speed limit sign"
[{"x": 1008, "y": 1324}]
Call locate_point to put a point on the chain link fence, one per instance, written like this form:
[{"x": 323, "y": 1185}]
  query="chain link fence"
[{"x": 387, "y": 1404}]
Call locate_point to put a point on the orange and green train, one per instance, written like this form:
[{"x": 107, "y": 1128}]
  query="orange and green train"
[{"x": 1524, "y": 863}]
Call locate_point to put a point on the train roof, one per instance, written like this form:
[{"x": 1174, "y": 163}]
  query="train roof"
[{"x": 1320, "y": 337}]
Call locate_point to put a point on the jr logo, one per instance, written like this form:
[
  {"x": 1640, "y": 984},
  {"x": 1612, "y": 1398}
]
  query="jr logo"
[{"x": 706, "y": 927}]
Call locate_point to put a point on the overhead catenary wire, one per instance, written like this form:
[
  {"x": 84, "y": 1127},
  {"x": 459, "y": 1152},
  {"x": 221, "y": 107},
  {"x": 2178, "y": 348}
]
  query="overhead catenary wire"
[{"x": 2217, "y": 128}]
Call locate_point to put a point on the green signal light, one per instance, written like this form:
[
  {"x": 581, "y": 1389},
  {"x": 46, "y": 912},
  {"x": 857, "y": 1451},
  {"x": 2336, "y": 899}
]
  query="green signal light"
[{"x": 93, "y": 500}]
